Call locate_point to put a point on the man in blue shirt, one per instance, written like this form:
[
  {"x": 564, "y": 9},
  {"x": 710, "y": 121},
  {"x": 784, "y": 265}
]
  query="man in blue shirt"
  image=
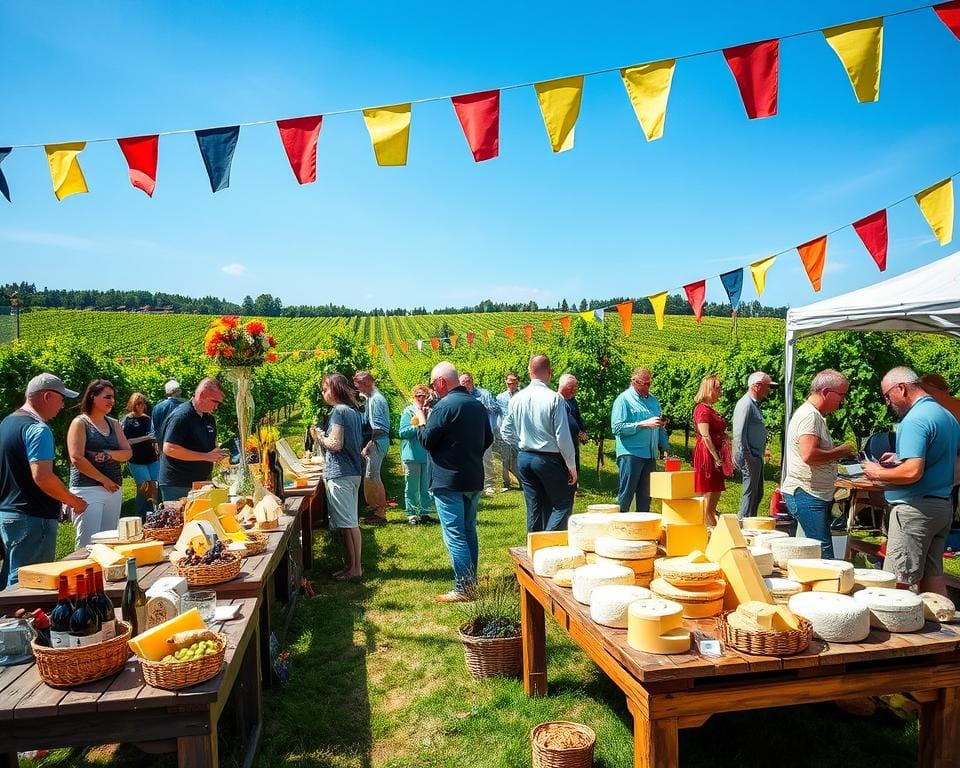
[
  {"x": 638, "y": 427},
  {"x": 162, "y": 410},
  {"x": 375, "y": 451},
  {"x": 489, "y": 402},
  {"x": 921, "y": 476}
]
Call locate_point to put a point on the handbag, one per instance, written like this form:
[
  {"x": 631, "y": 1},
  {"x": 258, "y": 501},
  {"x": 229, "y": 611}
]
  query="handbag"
[{"x": 726, "y": 459}]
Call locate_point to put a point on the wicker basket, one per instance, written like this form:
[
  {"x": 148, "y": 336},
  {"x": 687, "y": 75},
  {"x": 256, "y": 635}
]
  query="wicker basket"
[
  {"x": 174, "y": 675},
  {"x": 562, "y": 745},
  {"x": 492, "y": 656},
  {"x": 257, "y": 543},
  {"x": 166, "y": 535},
  {"x": 66, "y": 667},
  {"x": 204, "y": 575},
  {"x": 763, "y": 643}
]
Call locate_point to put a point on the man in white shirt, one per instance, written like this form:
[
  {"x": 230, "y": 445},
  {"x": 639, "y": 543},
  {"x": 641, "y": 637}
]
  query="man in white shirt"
[
  {"x": 507, "y": 452},
  {"x": 537, "y": 425}
]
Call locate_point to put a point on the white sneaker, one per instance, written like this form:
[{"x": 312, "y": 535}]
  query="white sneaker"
[{"x": 489, "y": 492}]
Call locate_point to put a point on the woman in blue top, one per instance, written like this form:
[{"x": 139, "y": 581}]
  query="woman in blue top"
[
  {"x": 144, "y": 464},
  {"x": 416, "y": 470},
  {"x": 342, "y": 469}
]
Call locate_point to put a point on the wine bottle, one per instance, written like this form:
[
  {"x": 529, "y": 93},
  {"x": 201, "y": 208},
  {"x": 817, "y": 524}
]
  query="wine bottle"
[
  {"x": 41, "y": 625},
  {"x": 276, "y": 474},
  {"x": 60, "y": 616},
  {"x": 84, "y": 621},
  {"x": 103, "y": 605},
  {"x": 133, "y": 606}
]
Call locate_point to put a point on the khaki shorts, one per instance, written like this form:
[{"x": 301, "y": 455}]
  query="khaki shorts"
[
  {"x": 916, "y": 538},
  {"x": 371, "y": 469}
]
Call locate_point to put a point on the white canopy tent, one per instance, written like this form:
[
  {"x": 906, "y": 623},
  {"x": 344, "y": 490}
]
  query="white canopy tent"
[{"x": 926, "y": 300}]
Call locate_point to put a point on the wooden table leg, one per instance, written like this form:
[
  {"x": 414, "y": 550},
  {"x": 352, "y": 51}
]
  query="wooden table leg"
[
  {"x": 199, "y": 751},
  {"x": 249, "y": 701},
  {"x": 655, "y": 742},
  {"x": 266, "y": 670},
  {"x": 306, "y": 533},
  {"x": 939, "y": 745},
  {"x": 534, "y": 630}
]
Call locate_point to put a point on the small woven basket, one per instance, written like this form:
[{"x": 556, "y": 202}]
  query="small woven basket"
[
  {"x": 763, "y": 643},
  {"x": 166, "y": 535},
  {"x": 204, "y": 575},
  {"x": 257, "y": 543},
  {"x": 492, "y": 656},
  {"x": 66, "y": 667},
  {"x": 562, "y": 745},
  {"x": 174, "y": 675}
]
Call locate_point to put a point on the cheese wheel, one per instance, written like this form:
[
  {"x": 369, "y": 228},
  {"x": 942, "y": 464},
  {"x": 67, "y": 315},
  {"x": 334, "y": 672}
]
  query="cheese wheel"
[
  {"x": 604, "y": 509},
  {"x": 764, "y": 560},
  {"x": 656, "y": 626},
  {"x": 624, "y": 549},
  {"x": 683, "y": 570},
  {"x": 563, "y": 577},
  {"x": 895, "y": 610},
  {"x": 871, "y": 577},
  {"x": 549, "y": 560},
  {"x": 635, "y": 526},
  {"x": 609, "y": 604},
  {"x": 835, "y": 618},
  {"x": 583, "y": 529},
  {"x": 639, "y": 567},
  {"x": 791, "y": 548},
  {"x": 936, "y": 607},
  {"x": 758, "y": 524},
  {"x": 586, "y": 578},
  {"x": 763, "y": 538},
  {"x": 693, "y": 593},
  {"x": 781, "y": 590},
  {"x": 816, "y": 570}
]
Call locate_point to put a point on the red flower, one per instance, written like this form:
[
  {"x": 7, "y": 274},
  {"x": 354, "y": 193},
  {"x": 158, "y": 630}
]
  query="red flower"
[
  {"x": 230, "y": 321},
  {"x": 254, "y": 327},
  {"x": 227, "y": 352},
  {"x": 271, "y": 341},
  {"x": 271, "y": 357}
]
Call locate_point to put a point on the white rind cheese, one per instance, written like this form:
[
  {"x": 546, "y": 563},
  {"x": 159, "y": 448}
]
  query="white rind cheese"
[
  {"x": 936, "y": 607},
  {"x": 587, "y": 578},
  {"x": 583, "y": 529},
  {"x": 623, "y": 549},
  {"x": 781, "y": 590},
  {"x": 871, "y": 577},
  {"x": 790, "y": 548},
  {"x": 549, "y": 560},
  {"x": 815, "y": 569},
  {"x": 895, "y": 610},
  {"x": 635, "y": 526},
  {"x": 835, "y": 618},
  {"x": 764, "y": 560},
  {"x": 763, "y": 538},
  {"x": 609, "y": 604}
]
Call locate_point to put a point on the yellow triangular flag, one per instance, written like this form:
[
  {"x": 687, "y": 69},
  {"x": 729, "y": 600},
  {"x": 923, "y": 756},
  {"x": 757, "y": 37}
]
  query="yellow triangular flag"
[
  {"x": 588, "y": 316},
  {"x": 659, "y": 302},
  {"x": 560, "y": 106},
  {"x": 65, "y": 168},
  {"x": 936, "y": 202},
  {"x": 759, "y": 271},
  {"x": 648, "y": 87},
  {"x": 389, "y": 129},
  {"x": 860, "y": 48}
]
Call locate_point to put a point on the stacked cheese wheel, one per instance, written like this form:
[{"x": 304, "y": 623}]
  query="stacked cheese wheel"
[
  {"x": 693, "y": 582},
  {"x": 583, "y": 529},
  {"x": 792, "y": 548},
  {"x": 656, "y": 626},
  {"x": 609, "y": 603},
  {"x": 630, "y": 540},
  {"x": 759, "y": 539},
  {"x": 587, "y": 578},
  {"x": 781, "y": 590},
  {"x": 548, "y": 560},
  {"x": 871, "y": 577}
]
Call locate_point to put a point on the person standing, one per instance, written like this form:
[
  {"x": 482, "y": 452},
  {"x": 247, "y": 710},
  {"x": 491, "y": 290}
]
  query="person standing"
[
  {"x": 750, "y": 442},
  {"x": 455, "y": 433},
  {"x": 638, "y": 428},
  {"x": 567, "y": 387},
  {"x": 144, "y": 464},
  {"x": 920, "y": 476},
  {"x": 30, "y": 491},
  {"x": 489, "y": 402},
  {"x": 162, "y": 410},
  {"x": 507, "y": 453},
  {"x": 809, "y": 458},
  {"x": 189, "y": 449},
  {"x": 416, "y": 467},
  {"x": 375, "y": 451},
  {"x": 537, "y": 425},
  {"x": 708, "y": 453}
]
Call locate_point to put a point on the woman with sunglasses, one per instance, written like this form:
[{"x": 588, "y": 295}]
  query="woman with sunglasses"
[{"x": 416, "y": 471}]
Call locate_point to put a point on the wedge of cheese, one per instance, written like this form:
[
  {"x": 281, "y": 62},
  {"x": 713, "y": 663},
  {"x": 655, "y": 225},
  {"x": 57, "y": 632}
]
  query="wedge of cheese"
[
  {"x": 146, "y": 552},
  {"x": 152, "y": 644},
  {"x": 769, "y": 618},
  {"x": 47, "y": 575},
  {"x": 113, "y": 563},
  {"x": 726, "y": 536},
  {"x": 822, "y": 575}
]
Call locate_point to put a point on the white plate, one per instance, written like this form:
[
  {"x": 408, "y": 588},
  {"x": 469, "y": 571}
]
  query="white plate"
[{"x": 113, "y": 537}]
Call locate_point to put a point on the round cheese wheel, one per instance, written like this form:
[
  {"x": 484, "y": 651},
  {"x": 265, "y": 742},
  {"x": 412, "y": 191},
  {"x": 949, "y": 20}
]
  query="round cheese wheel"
[
  {"x": 609, "y": 604},
  {"x": 586, "y": 578},
  {"x": 936, "y": 607},
  {"x": 781, "y": 590},
  {"x": 624, "y": 549},
  {"x": 639, "y": 567},
  {"x": 792, "y": 548},
  {"x": 656, "y": 626},
  {"x": 895, "y": 610},
  {"x": 763, "y": 538},
  {"x": 635, "y": 526},
  {"x": 871, "y": 577},
  {"x": 548, "y": 560},
  {"x": 835, "y": 618},
  {"x": 563, "y": 577},
  {"x": 763, "y": 557},
  {"x": 604, "y": 509},
  {"x": 583, "y": 529},
  {"x": 758, "y": 524},
  {"x": 689, "y": 593},
  {"x": 681, "y": 571}
]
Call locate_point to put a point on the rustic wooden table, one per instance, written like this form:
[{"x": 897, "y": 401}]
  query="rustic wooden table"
[
  {"x": 124, "y": 709},
  {"x": 314, "y": 513},
  {"x": 862, "y": 493},
  {"x": 666, "y": 693}
]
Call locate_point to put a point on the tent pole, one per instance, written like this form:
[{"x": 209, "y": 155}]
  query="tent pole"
[{"x": 787, "y": 384}]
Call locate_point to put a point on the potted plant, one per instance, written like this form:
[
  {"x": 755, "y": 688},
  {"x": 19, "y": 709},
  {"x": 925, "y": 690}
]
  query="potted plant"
[{"x": 490, "y": 627}]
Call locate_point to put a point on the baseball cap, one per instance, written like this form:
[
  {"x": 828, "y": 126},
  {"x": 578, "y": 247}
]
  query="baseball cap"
[
  {"x": 47, "y": 381},
  {"x": 171, "y": 387}
]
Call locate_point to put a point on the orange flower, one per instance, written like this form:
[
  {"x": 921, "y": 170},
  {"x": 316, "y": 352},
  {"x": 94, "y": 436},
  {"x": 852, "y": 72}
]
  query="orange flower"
[
  {"x": 254, "y": 327},
  {"x": 230, "y": 321},
  {"x": 227, "y": 352},
  {"x": 271, "y": 357}
]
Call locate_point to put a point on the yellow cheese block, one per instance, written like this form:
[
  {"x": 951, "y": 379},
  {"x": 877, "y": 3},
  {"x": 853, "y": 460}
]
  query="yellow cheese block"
[
  {"x": 146, "y": 552},
  {"x": 683, "y": 511},
  {"x": 228, "y": 508},
  {"x": 209, "y": 516},
  {"x": 684, "y": 539},
  {"x": 238, "y": 536},
  {"x": 759, "y": 524},
  {"x": 769, "y": 618},
  {"x": 542, "y": 539},
  {"x": 267, "y": 510},
  {"x": 656, "y": 626},
  {"x": 230, "y": 523},
  {"x": 194, "y": 507},
  {"x": 218, "y": 496},
  {"x": 726, "y": 536},
  {"x": 671, "y": 485},
  {"x": 823, "y": 575},
  {"x": 47, "y": 575},
  {"x": 744, "y": 582},
  {"x": 106, "y": 556},
  {"x": 152, "y": 644}
]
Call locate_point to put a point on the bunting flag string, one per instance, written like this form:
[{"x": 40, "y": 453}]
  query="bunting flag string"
[
  {"x": 697, "y": 296},
  {"x": 758, "y": 270},
  {"x": 65, "y": 171},
  {"x": 733, "y": 284},
  {"x": 648, "y": 88},
  {"x": 528, "y": 332},
  {"x": 547, "y": 325},
  {"x": 588, "y": 316},
  {"x": 389, "y": 129},
  {"x": 659, "y": 303},
  {"x": 404, "y": 346},
  {"x": 470, "y": 338},
  {"x": 625, "y": 310},
  {"x": 216, "y": 147},
  {"x": 565, "y": 323},
  {"x": 756, "y": 67},
  {"x": 435, "y": 343},
  {"x": 299, "y": 137},
  {"x": 479, "y": 116},
  {"x": 872, "y": 230},
  {"x": 949, "y": 14},
  {"x": 141, "y": 155},
  {"x": 510, "y": 331},
  {"x": 813, "y": 254},
  {"x": 419, "y": 345},
  {"x": 560, "y": 106},
  {"x": 860, "y": 48},
  {"x": 453, "y": 341},
  {"x": 936, "y": 204},
  {"x": 4, "y": 189}
]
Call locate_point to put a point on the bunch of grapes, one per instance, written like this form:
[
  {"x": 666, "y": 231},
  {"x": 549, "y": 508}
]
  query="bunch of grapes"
[
  {"x": 216, "y": 554},
  {"x": 165, "y": 517}
]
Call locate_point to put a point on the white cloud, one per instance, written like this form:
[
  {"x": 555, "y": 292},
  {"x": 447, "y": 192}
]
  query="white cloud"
[{"x": 236, "y": 270}]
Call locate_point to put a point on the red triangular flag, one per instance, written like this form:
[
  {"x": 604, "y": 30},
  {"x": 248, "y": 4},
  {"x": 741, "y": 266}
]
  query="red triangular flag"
[
  {"x": 756, "y": 67},
  {"x": 479, "y": 115},
  {"x": 404, "y": 346},
  {"x": 696, "y": 295},
  {"x": 814, "y": 255},
  {"x": 141, "y": 154},
  {"x": 299, "y": 136},
  {"x": 470, "y": 338},
  {"x": 873, "y": 231},
  {"x": 949, "y": 14}
]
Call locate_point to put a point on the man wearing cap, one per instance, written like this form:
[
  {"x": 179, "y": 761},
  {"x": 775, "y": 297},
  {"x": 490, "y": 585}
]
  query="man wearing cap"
[
  {"x": 750, "y": 442},
  {"x": 162, "y": 410},
  {"x": 30, "y": 491}
]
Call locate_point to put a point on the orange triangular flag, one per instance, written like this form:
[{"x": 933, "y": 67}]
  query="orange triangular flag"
[
  {"x": 390, "y": 349},
  {"x": 547, "y": 325},
  {"x": 565, "y": 323},
  {"x": 404, "y": 346},
  {"x": 453, "y": 341},
  {"x": 814, "y": 256},
  {"x": 528, "y": 332},
  {"x": 625, "y": 310},
  {"x": 435, "y": 343},
  {"x": 510, "y": 331}
]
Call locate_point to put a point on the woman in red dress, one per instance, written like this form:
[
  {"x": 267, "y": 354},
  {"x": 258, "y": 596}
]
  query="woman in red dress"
[{"x": 708, "y": 462}]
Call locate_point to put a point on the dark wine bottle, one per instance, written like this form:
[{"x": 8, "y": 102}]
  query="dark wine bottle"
[
  {"x": 276, "y": 474},
  {"x": 102, "y": 604},
  {"x": 84, "y": 621},
  {"x": 60, "y": 616},
  {"x": 41, "y": 625},
  {"x": 133, "y": 607}
]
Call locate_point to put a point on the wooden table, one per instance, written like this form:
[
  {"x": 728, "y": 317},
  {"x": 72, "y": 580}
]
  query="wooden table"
[
  {"x": 124, "y": 709},
  {"x": 859, "y": 489},
  {"x": 314, "y": 513},
  {"x": 667, "y": 693}
]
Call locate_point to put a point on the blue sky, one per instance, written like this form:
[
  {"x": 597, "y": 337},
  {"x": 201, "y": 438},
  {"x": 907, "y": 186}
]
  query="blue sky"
[{"x": 614, "y": 216}]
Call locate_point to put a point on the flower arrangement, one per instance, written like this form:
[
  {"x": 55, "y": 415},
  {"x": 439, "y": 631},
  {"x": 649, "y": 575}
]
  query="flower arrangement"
[
  {"x": 263, "y": 439},
  {"x": 233, "y": 344}
]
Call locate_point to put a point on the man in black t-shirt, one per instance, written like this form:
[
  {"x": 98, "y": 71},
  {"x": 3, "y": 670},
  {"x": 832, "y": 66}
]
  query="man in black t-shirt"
[{"x": 190, "y": 442}]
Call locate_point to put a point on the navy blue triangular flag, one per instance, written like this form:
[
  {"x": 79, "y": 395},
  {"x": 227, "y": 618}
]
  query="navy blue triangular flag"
[
  {"x": 217, "y": 146},
  {"x": 733, "y": 285},
  {"x": 4, "y": 151}
]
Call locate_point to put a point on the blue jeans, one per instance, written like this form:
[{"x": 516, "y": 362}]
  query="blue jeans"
[
  {"x": 173, "y": 492},
  {"x": 416, "y": 488},
  {"x": 813, "y": 514},
  {"x": 546, "y": 492},
  {"x": 26, "y": 540},
  {"x": 458, "y": 522},
  {"x": 634, "y": 482},
  {"x": 141, "y": 473}
]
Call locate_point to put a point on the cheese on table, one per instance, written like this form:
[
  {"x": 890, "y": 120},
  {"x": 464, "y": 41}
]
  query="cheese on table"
[
  {"x": 726, "y": 536},
  {"x": 936, "y": 607},
  {"x": 609, "y": 604},
  {"x": 794, "y": 548},
  {"x": 758, "y": 524},
  {"x": 639, "y": 567},
  {"x": 129, "y": 528},
  {"x": 744, "y": 582},
  {"x": 683, "y": 511},
  {"x": 586, "y": 578},
  {"x": 763, "y": 557},
  {"x": 563, "y": 577},
  {"x": 635, "y": 526},
  {"x": 835, "y": 618},
  {"x": 699, "y": 601},
  {"x": 624, "y": 549},
  {"x": 47, "y": 575},
  {"x": 763, "y": 538},
  {"x": 684, "y": 539},
  {"x": 195, "y": 506},
  {"x": 871, "y": 577},
  {"x": 604, "y": 509},
  {"x": 768, "y": 618},
  {"x": 583, "y": 529},
  {"x": 671, "y": 485},
  {"x": 152, "y": 644},
  {"x": 656, "y": 626},
  {"x": 541, "y": 539},
  {"x": 895, "y": 610},
  {"x": 690, "y": 569},
  {"x": 113, "y": 563},
  {"x": 146, "y": 552},
  {"x": 822, "y": 575},
  {"x": 229, "y": 523},
  {"x": 549, "y": 560},
  {"x": 781, "y": 590}
]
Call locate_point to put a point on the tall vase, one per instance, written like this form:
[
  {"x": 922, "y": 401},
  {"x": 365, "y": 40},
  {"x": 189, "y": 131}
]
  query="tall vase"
[{"x": 246, "y": 483}]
